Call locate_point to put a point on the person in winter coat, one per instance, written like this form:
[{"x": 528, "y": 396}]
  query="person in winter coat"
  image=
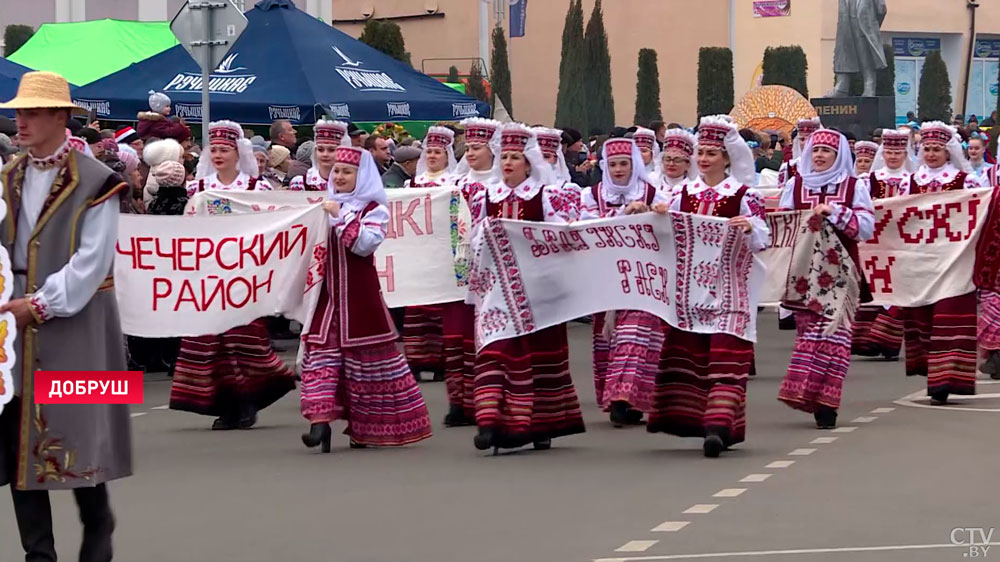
[{"x": 156, "y": 123}]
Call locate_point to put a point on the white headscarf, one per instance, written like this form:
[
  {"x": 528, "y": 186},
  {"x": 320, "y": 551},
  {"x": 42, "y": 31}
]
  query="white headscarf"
[
  {"x": 843, "y": 166},
  {"x": 741, "y": 162},
  {"x": 954, "y": 146},
  {"x": 560, "y": 171},
  {"x": 796, "y": 151},
  {"x": 344, "y": 141},
  {"x": 463, "y": 167},
  {"x": 616, "y": 194},
  {"x": 452, "y": 163},
  {"x": 246, "y": 163},
  {"x": 908, "y": 164},
  {"x": 655, "y": 165},
  {"x": 541, "y": 172},
  {"x": 368, "y": 188}
]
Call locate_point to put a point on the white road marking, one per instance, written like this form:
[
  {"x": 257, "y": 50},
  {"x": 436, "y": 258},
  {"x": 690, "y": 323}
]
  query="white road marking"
[
  {"x": 137, "y": 414},
  {"x": 163, "y": 407},
  {"x": 780, "y": 464},
  {"x": 729, "y": 493},
  {"x": 755, "y": 478},
  {"x": 802, "y": 452},
  {"x": 864, "y": 419},
  {"x": 823, "y": 440},
  {"x": 883, "y": 410},
  {"x": 919, "y": 399},
  {"x": 636, "y": 546},
  {"x": 760, "y": 553},
  {"x": 701, "y": 508},
  {"x": 845, "y": 429},
  {"x": 670, "y": 526}
]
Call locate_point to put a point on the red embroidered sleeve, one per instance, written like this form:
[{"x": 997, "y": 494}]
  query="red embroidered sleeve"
[{"x": 39, "y": 309}]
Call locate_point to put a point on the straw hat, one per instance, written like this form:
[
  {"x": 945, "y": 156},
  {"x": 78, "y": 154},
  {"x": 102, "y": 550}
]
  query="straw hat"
[{"x": 42, "y": 90}]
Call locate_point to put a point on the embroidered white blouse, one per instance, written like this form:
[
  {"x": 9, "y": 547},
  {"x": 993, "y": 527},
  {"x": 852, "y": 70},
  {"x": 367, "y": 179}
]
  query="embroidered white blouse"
[
  {"x": 933, "y": 179},
  {"x": 589, "y": 208},
  {"x": 312, "y": 177},
  {"x": 429, "y": 179},
  {"x": 894, "y": 180},
  {"x": 241, "y": 183},
  {"x": 751, "y": 205},
  {"x": 370, "y": 233},
  {"x": 560, "y": 204},
  {"x": 856, "y": 220}
]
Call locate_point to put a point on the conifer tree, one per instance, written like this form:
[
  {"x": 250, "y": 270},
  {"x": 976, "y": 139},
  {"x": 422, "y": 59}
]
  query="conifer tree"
[
  {"x": 647, "y": 89},
  {"x": 600, "y": 100},
  {"x": 571, "y": 110}
]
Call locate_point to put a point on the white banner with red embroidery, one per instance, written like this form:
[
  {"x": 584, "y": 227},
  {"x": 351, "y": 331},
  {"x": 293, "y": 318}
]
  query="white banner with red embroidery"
[
  {"x": 923, "y": 249},
  {"x": 695, "y": 272},
  {"x": 193, "y": 276},
  {"x": 422, "y": 260},
  {"x": 8, "y": 326}
]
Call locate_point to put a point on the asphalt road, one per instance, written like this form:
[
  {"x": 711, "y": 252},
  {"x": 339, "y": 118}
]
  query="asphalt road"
[{"x": 890, "y": 485}]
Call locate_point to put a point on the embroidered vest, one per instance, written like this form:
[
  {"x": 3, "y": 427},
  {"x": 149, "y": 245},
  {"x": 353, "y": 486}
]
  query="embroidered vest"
[
  {"x": 957, "y": 183},
  {"x": 251, "y": 185},
  {"x": 604, "y": 207},
  {"x": 514, "y": 207},
  {"x": 727, "y": 207}
]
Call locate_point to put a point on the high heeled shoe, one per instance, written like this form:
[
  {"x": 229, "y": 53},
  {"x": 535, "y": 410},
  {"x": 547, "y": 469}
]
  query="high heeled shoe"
[{"x": 319, "y": 434}]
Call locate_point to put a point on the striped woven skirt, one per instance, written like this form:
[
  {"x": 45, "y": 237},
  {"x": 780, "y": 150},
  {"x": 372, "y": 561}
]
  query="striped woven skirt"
[
  {"x": 523, "y": 389},
  {"x": 941, "y": 344},
  {"x": 423, "y": 340},
  {"x": 459, "y": 349},
  {"x": 635, "y": 348},
  {"x": 216, "y": 375},
  {"x": 989, "y": 320},
  {"x": 877, "y": 331},
  {"x": 370, "y": 386},
  {"x": 701, "y": 385},
  {"x": 819, "y": 365},
  {"x": 602, "y": 355}
]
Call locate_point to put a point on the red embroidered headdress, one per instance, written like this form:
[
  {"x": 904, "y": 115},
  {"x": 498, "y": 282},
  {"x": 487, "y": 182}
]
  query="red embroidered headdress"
[
  {"x": 865, "y": 149},
  {"x": 826, "y": 138},
  {"x": 895, "y": 140},
  {"x": 349, "y": 155},
  {"x": 478, "y": 130},
  {"x": 614, "y": 148},
  {"x": 936, "y": 133},
  {"x": 679, "y": 140},
  {"x": 225, "y": 132},
  {"x": 330, "y": 132},
  {"x": 514, "y": 138}
]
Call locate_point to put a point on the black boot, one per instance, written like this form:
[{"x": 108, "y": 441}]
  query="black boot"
[
  {"x": 484, "y": 439},
  {"x": 826, "y": 418},
  {"x": 319, "y": 434},
  {"x": 248, "y": 416},
  {"x": 438, "y": 376},
  {"x": 619, "y": 413},
  {"x": 542, "y": 444},
  {"x": 456, "y": 416},
  {"x": 939, "y": 398},
  {"x": 714, "y": 445},
  {"x": 633, "y": 417},
  {"x": 787, "y": 323}
]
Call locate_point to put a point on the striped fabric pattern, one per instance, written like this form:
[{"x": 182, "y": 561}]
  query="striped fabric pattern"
[
  {"x": 523, "y": 389},
  {"x": 370, "y": 386},
  {"x": 941, "y": 344},
  {"x": 989, "y": 320},
  {"x": 636, "y": 344},
  {"x": 819, "y": 365},
  {"x": 701, "y": 385},
  {"x": 214, "y": 375},
  {"x": 877, "y": 331},
  {"x": 602, "y": 356},
  {"x": 423, "y": 340},
  {"x": 458, "y": 325}
]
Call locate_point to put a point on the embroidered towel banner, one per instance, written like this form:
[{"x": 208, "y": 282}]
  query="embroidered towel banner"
[
  {"x": 694, "y": 272},
  {"x": 423, "y": 258},
  {"x": 923, "y": 249},
  {"x": 8, "y": 325},
  {"x": 193, "y": 276}
]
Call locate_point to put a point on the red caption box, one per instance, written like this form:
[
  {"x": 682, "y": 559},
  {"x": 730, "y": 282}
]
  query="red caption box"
[{"x": 88, "y": 387}]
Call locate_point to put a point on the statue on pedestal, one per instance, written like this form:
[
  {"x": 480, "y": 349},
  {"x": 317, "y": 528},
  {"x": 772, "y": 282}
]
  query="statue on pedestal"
[{"x": 859, "y": 45}]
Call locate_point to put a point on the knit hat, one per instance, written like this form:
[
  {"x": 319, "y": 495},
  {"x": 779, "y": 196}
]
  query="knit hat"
[
  {"x": 305, "y": 152},
  {"x": 158, "y": 101},
  {"x": 169, "y": 173},
  {"x": 278, "y": 155},
  {"x": 259, "y": 144},
  {"x": 126, "y": 135}
]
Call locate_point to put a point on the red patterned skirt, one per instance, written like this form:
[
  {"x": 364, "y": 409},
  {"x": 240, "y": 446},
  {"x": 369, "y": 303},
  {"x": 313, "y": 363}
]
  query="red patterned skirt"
[
  {"x": 523, "y": 389},
  {"x": 819, "y": 365},
  {"x": 216, "y": 375},
  {"x": 702, "y": 385},
  {"x": 877, "y": 331},
  {"x": 423, "y": 338},
  {"x": 369, "y": 386},
  {"x": 602, "y": 356},
  {"x": 458, "y": 325},
  {"x": 941, "y": 344},
  {"x": 635, "y": 348},
  {"x": 989, "y": 320}
]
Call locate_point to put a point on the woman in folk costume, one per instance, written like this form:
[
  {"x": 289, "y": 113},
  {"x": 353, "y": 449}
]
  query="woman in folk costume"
[
  {"x": 473, "y": 174},
  {"x": 987, "y": 278},
  {"x": 805, "y": 128},
  {"x": 645, "y": 139},
  {"x": 822, "y": 355},
  {"x": 351, "y": 368},
  {"x": 676, "y": 166},
  {"x": 976, "y": 148},
  {"x": 327, "y": 136},
  {"x": 423, "y": 331},
  {"x": 228, "y": 164},
  {"x": 550, "y": 143},
  {"x": 523, "y": 389},
  {"x": 627, "y": 343},
  {"x": 701, "y": 385},
  {"x": 877, "y": 330},
  {"x": 941, "y": 337},
  {"x": 864, "y": 158},
  {"x": 235, "y": 374}
]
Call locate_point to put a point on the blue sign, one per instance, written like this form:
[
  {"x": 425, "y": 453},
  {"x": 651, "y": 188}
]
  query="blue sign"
[
  {"x": 903, "y": 88},
  {"x": 518, "y": 18},
  {"x": 987, "y": 48},
  {"x": 915, "y": 46}
]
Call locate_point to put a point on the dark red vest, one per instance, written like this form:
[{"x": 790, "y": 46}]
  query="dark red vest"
[
  {"x": 516, "y": 208},
  {"x": 252, "y": 185},
  {"x": 957, "y": 183},
  {"x": 604, "y": 207},
  {"x": 726, "y": 208}
]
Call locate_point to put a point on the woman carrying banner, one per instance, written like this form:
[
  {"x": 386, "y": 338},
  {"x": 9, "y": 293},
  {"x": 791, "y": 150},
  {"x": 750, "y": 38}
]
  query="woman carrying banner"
[
  {"x": 423, "y": 331},
  {"x": 701, "y": 382},
  {"x": 327, "y": 136},
  {"x": 822, "y": 354},
  {"x": 941, "y": 337},
  {"x": 877, "y": 330},
  {"x": 235, "y": 374},
  {"x": 645, "y": 139},
  {"x": 987, "y": 279},
  {"x": 458, "y": 319},
  {"x": 627, "y": 343},
  {"x": 351, "y": 368},
  {"x": 523, "y": 389},
  {"x": 676, "y": 168}
]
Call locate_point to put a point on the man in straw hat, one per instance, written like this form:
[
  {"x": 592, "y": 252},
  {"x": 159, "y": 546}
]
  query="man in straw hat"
[{"x": 60, "y": 231}]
